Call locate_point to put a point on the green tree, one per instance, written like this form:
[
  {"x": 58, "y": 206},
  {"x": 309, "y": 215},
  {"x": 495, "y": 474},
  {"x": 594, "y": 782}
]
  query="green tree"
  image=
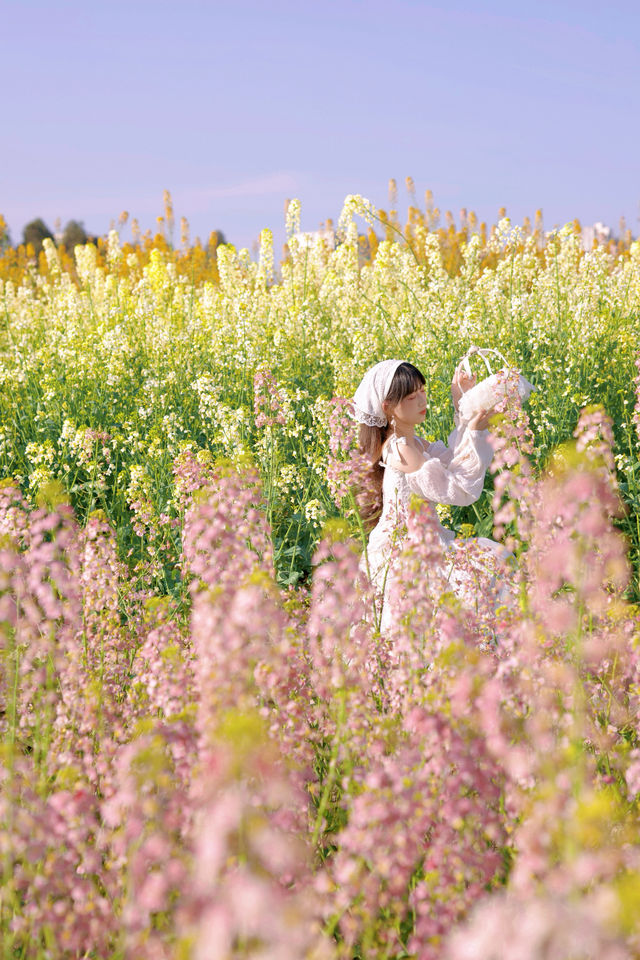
[
  {"x": 74, "y": 233},
  {"x": 216, "y": 238},
  {"x": 5, "y": 236},
  {"x": 35, "y": 232}
]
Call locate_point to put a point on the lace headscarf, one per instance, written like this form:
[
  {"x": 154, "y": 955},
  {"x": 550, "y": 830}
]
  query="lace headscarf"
[{"x": 373, "y": 389}]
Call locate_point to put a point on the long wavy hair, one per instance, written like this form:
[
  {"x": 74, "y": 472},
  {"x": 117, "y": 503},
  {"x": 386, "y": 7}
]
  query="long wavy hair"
[{"x": 406, "y": 379}]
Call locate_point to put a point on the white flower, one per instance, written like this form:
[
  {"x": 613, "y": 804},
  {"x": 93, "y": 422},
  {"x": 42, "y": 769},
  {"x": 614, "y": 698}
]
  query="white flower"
[{"x": 315, "y": 512}]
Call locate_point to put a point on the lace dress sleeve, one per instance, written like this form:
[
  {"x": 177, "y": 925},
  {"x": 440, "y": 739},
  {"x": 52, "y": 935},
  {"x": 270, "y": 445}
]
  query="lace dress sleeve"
[{"x": 454, "y": 474}]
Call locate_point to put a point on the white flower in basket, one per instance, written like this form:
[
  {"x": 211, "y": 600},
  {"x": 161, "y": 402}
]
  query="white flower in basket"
[{"x": 493, "y": 388}]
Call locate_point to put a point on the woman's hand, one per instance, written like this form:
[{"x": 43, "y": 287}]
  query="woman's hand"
[
  {"x": 480, "y": 420},
  {"x": 460, "y": 384}
]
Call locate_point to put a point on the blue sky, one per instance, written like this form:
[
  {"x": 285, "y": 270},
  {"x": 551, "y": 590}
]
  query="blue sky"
[{"x": 236, "y": 106}]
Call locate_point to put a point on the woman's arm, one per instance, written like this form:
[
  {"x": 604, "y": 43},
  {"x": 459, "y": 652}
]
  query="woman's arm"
[
  {"x": 458, "y": 481},
  {"x": 462, "y": 381},
  {"x": 446, "y": 452},
  {"x": 454, "y": 476}
]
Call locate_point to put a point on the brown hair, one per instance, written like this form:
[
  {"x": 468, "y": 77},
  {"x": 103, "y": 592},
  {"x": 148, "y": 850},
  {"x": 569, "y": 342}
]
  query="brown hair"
[{"x": 406, "y": 379}]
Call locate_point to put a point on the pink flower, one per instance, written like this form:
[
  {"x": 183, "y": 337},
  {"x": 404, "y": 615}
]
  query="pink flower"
[{"x": 268, "y": 400}]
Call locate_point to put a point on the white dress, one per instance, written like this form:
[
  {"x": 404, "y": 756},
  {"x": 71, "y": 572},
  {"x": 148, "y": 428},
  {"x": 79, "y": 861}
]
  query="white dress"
[{"x": 451, "y": 474}]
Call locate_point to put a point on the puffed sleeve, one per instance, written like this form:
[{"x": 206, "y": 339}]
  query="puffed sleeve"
[
  {"x": 454, "y": 474},
  {"x": 445, "y": 451}
]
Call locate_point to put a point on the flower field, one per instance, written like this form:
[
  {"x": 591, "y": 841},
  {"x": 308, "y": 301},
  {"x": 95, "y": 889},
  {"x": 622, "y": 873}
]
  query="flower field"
[{"x": 208, "y": 750}]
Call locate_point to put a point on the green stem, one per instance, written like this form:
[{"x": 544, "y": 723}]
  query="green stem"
[{"x": 331, "y": 777}]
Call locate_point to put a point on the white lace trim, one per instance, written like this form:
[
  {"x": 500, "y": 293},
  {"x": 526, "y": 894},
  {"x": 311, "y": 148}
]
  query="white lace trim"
[{"x": 369, "y": 418}]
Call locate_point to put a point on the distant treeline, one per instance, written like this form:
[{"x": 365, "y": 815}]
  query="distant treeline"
[
  {"x": 198, "y": 261},
  {"x": 36, "y": 231}
]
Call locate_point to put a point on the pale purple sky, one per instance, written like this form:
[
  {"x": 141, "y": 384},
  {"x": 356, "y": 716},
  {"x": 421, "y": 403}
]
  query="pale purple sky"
[{"x": 236, "y": 106}]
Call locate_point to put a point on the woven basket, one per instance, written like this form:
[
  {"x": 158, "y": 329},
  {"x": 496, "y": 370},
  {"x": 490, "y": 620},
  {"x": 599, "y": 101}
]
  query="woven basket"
[{"x": 490, "y": 390}]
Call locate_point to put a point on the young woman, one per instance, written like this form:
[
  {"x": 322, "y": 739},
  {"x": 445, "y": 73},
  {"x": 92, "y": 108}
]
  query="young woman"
[{"x": 389, "y": 403}]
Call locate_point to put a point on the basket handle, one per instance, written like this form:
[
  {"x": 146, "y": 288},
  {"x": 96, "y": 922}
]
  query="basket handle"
[{"x": 482, "y": 353}]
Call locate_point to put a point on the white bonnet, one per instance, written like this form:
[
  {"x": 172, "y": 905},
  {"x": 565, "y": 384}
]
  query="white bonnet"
[{"x": 373, "y": 388}]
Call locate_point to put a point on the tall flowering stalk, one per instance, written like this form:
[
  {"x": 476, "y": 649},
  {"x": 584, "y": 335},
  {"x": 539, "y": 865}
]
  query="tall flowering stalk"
[
  {"x": 251, "y": 869},
  {"x": 250, "y": 893},
  {"x": 512, "y": 441},
  {"x": 564, "y": 719},
  {"x": 421, "y": 795},
  {"x": 349, "y": 472},
  {"x": 267, "y": 400},
  {"x": 636, "y": 408},
  {"x": 341, "y": 655},
  {"x": 53, "y": 850}
]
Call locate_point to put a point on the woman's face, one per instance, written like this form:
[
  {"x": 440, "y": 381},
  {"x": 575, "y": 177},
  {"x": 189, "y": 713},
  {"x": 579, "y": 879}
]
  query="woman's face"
[{"x": 412, "y": 409}]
